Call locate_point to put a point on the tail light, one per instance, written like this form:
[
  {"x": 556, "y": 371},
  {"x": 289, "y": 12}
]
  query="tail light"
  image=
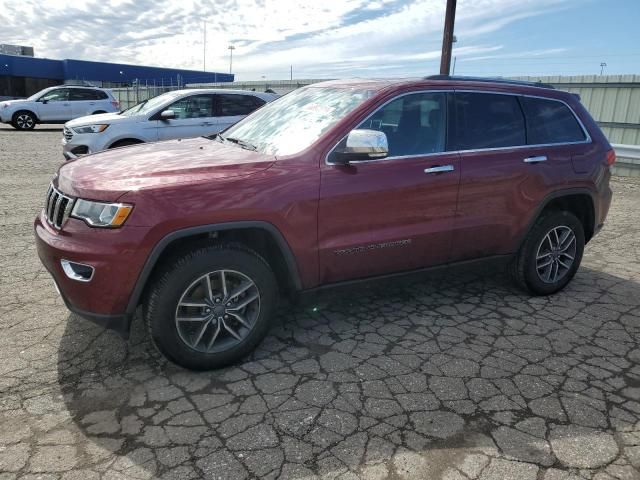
[
  {"x": 116, "y": 104},
  {"x": 611, "y": 157}
]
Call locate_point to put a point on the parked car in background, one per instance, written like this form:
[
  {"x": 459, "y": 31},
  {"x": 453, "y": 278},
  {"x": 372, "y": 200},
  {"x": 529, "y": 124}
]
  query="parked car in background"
[
  {"x": 334, "y": 182},
  {"x": 57, "y": 105},
  {"x": 176, "y": 114}
]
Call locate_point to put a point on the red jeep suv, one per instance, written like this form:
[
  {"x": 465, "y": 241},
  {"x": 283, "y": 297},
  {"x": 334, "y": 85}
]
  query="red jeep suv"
[{"x": 337, "y": 181}]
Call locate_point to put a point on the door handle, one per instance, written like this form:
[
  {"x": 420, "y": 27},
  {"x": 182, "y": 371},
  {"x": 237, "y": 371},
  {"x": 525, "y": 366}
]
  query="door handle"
[
  {"x": 538, "y": 159},
  {"x": 439, "y": 169}
]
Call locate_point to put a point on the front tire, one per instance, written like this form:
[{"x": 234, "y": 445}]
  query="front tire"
[
  {"x": 551, "y": 254},
  {"x": 212, "y": 306},
  {"x": 24, "y": 120}
]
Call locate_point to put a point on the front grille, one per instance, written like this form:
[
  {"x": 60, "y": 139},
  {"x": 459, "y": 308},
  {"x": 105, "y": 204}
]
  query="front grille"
[
  {"x": 68, "y": 133},
  {"x": 57, "y": 207}
]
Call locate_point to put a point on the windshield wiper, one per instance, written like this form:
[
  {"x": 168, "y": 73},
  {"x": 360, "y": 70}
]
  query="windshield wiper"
[{"x": 240, "y": 142}]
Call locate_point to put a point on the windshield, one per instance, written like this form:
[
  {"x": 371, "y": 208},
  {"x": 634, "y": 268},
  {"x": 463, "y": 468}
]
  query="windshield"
[
  {"x": 149, "y": 105},
  {"x": 293, "y": 122},
  {"x": 39, "y": 94}
]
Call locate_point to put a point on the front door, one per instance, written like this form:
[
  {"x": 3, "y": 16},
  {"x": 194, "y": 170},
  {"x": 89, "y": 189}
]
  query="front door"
[
  {"x": 54, "y": 106},
  {"x": 194, "y": 117},
  {"x": 393, "y": 214}
]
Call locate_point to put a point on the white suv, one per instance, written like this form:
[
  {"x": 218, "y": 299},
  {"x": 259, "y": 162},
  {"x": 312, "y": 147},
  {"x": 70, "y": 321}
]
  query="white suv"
[
  {"x": 176, "y": 114},
  {"x": 57, "y": 105}
]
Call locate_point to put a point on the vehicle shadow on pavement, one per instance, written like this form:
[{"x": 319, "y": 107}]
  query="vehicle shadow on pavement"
[{"x": 456, "y": 377}]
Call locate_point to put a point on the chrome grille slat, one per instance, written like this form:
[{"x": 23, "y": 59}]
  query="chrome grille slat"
[
  {"x": 57, "y": 207},
  {"x": 68, "y": 133}
]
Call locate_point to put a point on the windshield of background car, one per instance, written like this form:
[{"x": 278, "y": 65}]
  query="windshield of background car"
[
  {"x": 293, "y": 122},
  {"x": 149, "y": 105}
]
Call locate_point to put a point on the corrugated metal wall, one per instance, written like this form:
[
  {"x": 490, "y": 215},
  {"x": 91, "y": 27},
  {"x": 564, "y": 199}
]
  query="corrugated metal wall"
[{"x": 613, "y": 100}]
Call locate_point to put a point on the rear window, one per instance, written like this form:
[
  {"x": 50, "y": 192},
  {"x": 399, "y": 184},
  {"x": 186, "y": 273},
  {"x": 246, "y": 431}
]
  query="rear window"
[
  {"x": 550, "y": 121},
  {"x": 231, "y": 105},
  {"x": 487, "y": 120}
]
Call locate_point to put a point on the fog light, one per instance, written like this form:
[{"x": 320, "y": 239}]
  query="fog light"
[{"x": 77, "y": 271}]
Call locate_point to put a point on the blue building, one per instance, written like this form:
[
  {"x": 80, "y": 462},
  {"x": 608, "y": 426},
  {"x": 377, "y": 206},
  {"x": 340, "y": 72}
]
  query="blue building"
[{"x": 22, "y": 76}]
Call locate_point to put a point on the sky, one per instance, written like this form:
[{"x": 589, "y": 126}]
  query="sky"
[{"x": 334, "y": 39}]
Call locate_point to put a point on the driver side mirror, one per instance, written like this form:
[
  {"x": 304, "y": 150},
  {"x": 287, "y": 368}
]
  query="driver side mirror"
[
  {"x": 44, "y": 101},
  {"x": 168, "y": 115},
  {"x": 362, "y": 145}
]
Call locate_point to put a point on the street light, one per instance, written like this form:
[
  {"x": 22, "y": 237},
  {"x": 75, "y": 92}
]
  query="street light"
[{"x": 231, "y": 49}]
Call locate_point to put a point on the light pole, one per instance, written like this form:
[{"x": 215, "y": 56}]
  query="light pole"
[
  {"x": 231, "y": 49},
  {"x": 204, "y": 47},
  {"x": 602, "y": 66}
]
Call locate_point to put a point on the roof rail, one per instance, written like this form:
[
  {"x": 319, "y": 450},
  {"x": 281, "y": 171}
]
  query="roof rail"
[{"x": 490, "y": 80}]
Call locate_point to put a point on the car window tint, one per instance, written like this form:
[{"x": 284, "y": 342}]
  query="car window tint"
[
  {"x": 549, "y": 121},
  {"x": 487, "y": 120},
  {"x": 231, "y": 105},
  {"x": 414, "y": 124},
  {"x": 81, "y": 94},
  {"x": 196, "y": 106},
  {"x": 59, "y": 95}
]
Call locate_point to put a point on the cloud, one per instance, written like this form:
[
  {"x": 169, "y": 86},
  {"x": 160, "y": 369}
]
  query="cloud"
[{"x": 325, "y": 38}]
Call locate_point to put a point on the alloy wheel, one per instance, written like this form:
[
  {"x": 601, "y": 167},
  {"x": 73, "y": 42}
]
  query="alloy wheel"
[
  {"x": 556, "y": 254},
  {"x": 24, "y": 121},
  {"x": 217, "y": 311}
]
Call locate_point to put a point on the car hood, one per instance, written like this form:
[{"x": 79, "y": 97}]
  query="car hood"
[
  {"x": 14, "y": 102},
  {"x": 108, "y": 175},
  {"x": 99, "y": 118}
]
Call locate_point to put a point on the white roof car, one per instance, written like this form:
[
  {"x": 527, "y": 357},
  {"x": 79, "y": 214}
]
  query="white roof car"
[
  {"x": 175, "y": 114},
  {"x": 57, "y": 105}
]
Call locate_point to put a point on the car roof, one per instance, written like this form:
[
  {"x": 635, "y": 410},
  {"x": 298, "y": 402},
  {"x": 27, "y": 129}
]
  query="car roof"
[
  {"x": 435, "y": 82},
  {"x": 232, "y": 91}
]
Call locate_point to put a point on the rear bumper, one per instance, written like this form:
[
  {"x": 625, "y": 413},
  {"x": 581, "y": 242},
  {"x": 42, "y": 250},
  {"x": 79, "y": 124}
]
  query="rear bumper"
[{"x": 116, "y": 258}]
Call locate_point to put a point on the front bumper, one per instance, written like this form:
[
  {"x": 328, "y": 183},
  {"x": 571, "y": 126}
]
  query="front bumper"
[
  {"x": 81, "y": 144},
  {"x": 113, "y": 254}
]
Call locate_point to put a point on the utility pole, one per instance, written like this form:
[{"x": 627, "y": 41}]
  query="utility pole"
[
  {"x": 602, "y": 65},
  {"x": 204, "y": 50},
  {"x": 231, "y": 49},
  {"x": 447, "y": 37}
]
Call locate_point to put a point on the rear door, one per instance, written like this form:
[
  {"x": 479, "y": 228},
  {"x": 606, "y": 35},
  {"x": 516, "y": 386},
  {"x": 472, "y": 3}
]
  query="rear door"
[
  {"x": 54, "y": 106},
  {"x": 84, "y": 101},
  {"x": 507, "y": 170},
  {"x": 233, "y": 107},
  {"x": 194, "y": 117},
  {"x": 393, "y": 214}
]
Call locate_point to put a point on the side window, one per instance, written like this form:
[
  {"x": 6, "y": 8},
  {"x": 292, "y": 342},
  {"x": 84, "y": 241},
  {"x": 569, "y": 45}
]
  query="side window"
[
  {"x": 414, "y": 124},
  {"x": 196, "y": 106},
  {"x": 82, "y": 94},
  {"x": 231, "y": 105},
  {"x": 59, "y": 95},
  {"x": 258, "y": 102},
  {"x": 488, "y": 120},
  {"x": 549, "y": 121}
]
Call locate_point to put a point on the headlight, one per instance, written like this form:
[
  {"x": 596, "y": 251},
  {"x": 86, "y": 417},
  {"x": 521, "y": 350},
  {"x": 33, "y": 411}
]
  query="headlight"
[
  {"x": 98, "y": 214},
  {"x": 91, "y": 128}
]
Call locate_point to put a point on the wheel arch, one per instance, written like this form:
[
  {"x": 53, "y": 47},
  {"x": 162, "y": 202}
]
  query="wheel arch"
[
  {"x": 26, "y": 110},
  {"x": 579, "y": 201},
  {"x": 264, "y": 237},
  {"x": 114, "y": 144}
]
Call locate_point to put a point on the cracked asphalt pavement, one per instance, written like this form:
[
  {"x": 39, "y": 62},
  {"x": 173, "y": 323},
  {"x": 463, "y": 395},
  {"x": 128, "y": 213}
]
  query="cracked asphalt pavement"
[{"x": 455, "y": 377}]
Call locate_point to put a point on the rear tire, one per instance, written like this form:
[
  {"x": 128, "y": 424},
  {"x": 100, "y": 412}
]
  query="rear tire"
[
  {"x": 193, "y": 316},
  {"x": 24, "y": 120},
  {"x": 550, "y": 255}
]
